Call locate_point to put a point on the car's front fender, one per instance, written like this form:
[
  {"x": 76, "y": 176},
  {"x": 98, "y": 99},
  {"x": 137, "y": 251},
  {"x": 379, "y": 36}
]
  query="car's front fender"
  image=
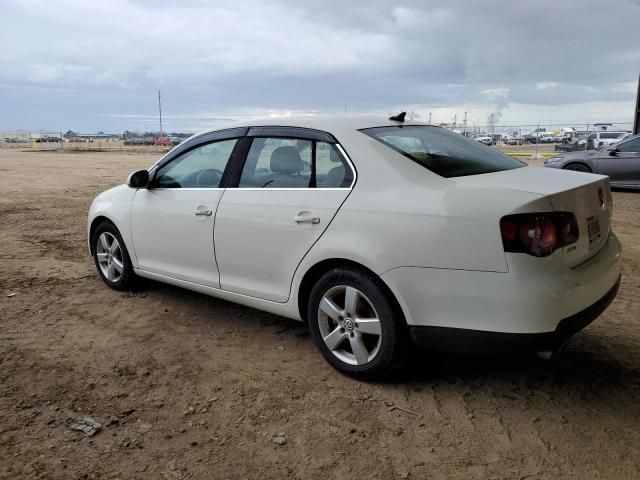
[{"x": 114, "y": 205}]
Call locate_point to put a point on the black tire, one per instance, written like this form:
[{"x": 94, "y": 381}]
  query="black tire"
[
  {"x": 127, "y": 278},
  {"x": 578, "y": 167},
  {"x": 393, "y": 340}
]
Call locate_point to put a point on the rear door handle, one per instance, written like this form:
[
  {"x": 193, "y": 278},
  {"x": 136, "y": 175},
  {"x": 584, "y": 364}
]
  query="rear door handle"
[
  {"x": 206, "y": 213},
  {"x": 306, "y": 217}
]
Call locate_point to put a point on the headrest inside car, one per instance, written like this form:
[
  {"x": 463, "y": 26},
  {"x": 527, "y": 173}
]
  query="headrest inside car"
[{"x": 286, "y": 160}]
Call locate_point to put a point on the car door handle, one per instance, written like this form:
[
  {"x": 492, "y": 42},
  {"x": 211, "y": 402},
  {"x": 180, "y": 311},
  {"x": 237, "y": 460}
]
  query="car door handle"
[
  {"x": 206, "y": 213},
  {"x": 306, "y": 217}
]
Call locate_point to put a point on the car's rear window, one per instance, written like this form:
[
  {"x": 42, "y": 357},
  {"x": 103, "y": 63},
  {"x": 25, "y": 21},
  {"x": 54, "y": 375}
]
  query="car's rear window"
[{"x": 443, "y": 152}]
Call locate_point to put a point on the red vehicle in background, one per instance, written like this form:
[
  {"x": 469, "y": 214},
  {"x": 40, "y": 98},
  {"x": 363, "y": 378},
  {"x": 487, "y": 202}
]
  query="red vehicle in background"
[{"x": 163, "y": 141}]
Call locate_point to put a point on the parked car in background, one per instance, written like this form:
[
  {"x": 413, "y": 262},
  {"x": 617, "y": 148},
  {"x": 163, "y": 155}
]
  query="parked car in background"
[
  {"x": 46, "y": 139},
  {"x": 600, "y": 139},
  {"x": 484, "y": 139},
  {"x": 540, "y": 137},
  {"x": 375, "y": 232},
  {"x": 134, "y": 141},
  {"x": 163, "y": 141},
  {"x": 532, "y": 138},
  {"x": 578, "y": 143},
  {"x": 620, "y": 162},
  {"x": 513, "y": 140},
  {"x": 177, "y": 140}
]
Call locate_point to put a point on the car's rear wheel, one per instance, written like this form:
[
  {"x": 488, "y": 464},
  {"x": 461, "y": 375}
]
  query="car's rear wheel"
[
  {"x": 355, "y": 324},
  {"x": 111, "y": 257},
  {"x": 578, "y": 167}
]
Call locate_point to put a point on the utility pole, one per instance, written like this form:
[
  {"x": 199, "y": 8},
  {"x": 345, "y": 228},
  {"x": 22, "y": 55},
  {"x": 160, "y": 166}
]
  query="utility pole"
[
  {"x": 465, "y": 124},
  {"x": 455, "y": 120},
  {"x": 492, "y": 122},
  {"x": 160, "y": 110},
  {"x": 586, "y": 142},
  {"x": 636, "y": 117},
  {"x": 429, "y": 118}
]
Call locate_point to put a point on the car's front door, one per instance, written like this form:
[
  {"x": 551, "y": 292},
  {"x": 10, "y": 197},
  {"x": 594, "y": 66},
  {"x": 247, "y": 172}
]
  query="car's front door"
[
  {"x": 172, "y": 221},
  {"x": 287, "y": 193},
  {"x": 621, "y": 162}
]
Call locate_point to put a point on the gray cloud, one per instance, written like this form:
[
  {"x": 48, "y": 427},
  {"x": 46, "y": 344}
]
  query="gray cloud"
[{"x": 73, "y": 63}]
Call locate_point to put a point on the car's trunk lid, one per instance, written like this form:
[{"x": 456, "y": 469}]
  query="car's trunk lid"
[{"x": 585, "y": 195}]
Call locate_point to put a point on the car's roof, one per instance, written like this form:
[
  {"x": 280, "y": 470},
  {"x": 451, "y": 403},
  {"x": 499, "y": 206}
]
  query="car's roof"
[{"x": 334, "y": 124}]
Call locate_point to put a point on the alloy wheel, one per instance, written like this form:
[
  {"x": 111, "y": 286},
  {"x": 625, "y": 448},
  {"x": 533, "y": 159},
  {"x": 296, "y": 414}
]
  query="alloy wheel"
[
  {"x": 109, "y": 256},
  {"x": 349, "y": 325}
]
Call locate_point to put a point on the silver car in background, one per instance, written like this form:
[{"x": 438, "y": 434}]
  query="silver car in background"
[{"x": 621, "y": 162}]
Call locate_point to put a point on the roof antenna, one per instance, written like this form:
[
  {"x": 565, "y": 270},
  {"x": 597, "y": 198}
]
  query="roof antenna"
[{"x": 399, "y": 117}]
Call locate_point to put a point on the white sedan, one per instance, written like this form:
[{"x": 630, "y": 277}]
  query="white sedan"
[{"x": 374, "y": 232}]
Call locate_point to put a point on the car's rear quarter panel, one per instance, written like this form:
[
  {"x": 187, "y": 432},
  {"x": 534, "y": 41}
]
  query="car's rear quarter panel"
[{"x": 400, "y": 214}]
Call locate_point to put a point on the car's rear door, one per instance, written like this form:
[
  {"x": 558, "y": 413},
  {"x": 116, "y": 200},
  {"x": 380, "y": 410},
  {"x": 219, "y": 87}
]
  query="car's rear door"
[
  {"x": 621, "y": 163},
  {"x": 172, "y": 221},
  {"x": 288, "y": 189}
]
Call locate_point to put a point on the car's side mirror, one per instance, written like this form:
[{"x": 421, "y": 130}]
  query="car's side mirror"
[
  {"x": 139, "y": 179},
  {"x": 613, "y": 152}
]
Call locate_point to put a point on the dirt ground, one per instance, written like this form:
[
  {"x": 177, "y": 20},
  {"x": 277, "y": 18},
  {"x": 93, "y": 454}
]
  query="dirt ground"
[{"x": 187, "y": 386}]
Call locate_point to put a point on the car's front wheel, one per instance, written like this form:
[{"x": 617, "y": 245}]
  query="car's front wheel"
[
  {"x": 111, "y": 257},
  {"x": 355, "y": 324},
  {"x": 578, "y": 167}
]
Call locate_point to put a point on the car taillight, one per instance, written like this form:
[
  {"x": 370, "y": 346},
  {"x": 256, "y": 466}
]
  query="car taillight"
[{"x": 538, "y": 234}]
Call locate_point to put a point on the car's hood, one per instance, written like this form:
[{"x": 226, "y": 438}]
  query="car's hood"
[
  {"x": 540, "y": 180},
  {"x": 580, "y": 154}
]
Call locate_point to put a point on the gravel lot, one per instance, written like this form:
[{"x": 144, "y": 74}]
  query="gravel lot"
[{"x": 188, "y": 386}]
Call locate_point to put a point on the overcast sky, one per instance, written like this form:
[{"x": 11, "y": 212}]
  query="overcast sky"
[{"x": 97, "y": 65}]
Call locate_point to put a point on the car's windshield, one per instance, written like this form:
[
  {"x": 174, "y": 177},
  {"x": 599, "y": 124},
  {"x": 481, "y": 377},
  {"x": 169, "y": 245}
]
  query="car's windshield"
[{"x": 443, "y": 152}]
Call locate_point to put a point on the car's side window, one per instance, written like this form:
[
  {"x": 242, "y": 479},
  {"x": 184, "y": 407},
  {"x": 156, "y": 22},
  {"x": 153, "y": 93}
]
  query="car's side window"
[
  {"x": 289, "y": 163},
  {"x": 277, "y": 163},
  {"x": 630, "y": 146},
  {"x": 201, "y": 167},
  {"x": 332, "y": 170}
]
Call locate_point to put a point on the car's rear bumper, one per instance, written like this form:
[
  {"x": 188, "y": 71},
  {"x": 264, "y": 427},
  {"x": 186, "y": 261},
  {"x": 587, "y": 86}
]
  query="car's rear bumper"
[
  {"x": 462, "y": 340},
  {"x": 533, "y": 297}
]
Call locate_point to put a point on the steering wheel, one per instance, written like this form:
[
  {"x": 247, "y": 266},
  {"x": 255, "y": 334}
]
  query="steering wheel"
[{"x": 209, "y": 177}]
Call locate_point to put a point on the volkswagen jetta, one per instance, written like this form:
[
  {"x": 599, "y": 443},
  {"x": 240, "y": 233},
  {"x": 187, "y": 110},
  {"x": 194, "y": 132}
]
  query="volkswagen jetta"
[{"x": 375, "y": 232}]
